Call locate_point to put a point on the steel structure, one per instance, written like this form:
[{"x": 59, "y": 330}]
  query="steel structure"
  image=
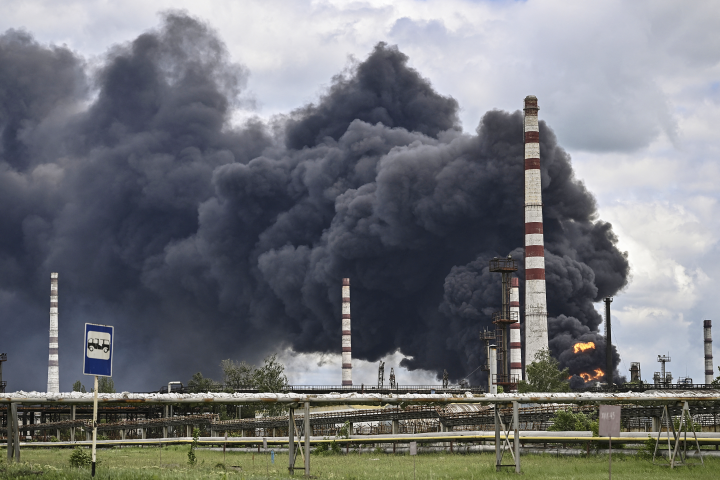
[
  {"x": 531, "y": 418},
  {"x": 635, "y": 376},
  {"x": 53, "y": 383},
  {"x": 662, "y": 378},
  {"x": 707, "y": 337},
  {"x": 3, "y": 383},
  {"x": 503, "y": 320},
  {"x": 488, "y": 336},
  {"x": 536, "y": 328},
  {"x": 515, "y": 343},
  {"x": 346, "y": 334}
]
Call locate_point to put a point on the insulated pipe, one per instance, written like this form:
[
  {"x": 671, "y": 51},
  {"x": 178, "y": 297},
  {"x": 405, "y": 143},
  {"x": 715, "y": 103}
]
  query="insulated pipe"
[
  {"x": 536, "y": 329},
  {"x": 360, "y": 399},
  {"x": 346, "y": 339},
  {"x": 531, "y": 436},
  {"x": 515, "y": 344},
  {"x": 53, "y": 383},
  {"x": 707, "y": 333}
]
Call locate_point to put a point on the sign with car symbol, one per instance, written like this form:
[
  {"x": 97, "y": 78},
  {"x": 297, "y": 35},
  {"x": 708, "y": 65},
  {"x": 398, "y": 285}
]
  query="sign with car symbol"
[{"x": 98, "y": 350}]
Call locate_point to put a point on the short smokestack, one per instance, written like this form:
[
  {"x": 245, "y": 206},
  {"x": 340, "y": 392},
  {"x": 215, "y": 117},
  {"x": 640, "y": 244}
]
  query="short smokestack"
[
  {"x": 536, "y": 329},
  {"x": 53, "y": 384},
  {"x": 492, "y": 378},
  {"x": 346, "y": 339},
  {"x": 707, "y": 333},
  {"x": 515, "y": 343}
]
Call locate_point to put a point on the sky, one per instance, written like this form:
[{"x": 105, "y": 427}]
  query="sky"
[{"x": 631, "y": 89}]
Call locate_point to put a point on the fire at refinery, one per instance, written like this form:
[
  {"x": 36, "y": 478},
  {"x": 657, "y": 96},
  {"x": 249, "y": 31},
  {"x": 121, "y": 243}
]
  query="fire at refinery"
[
  {"x": 582, "y": 347},
  {"x": 589, "y": 376}
]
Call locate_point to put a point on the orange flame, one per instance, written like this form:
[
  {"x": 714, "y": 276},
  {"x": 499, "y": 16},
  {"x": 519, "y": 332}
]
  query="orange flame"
[
  {"x": 589, "y": 376},
  {"x": 581, "y": 347}
]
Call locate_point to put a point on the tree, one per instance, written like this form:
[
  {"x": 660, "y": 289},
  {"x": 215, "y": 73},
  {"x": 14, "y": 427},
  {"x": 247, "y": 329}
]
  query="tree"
[
  {"x": 716, "y": 382},
  {"x": 105, "y": 385},
  {"x": 199, "y": 384},
  {"x": 237, "y": 375},
  {"x": 271, "y": 376},
  {"x": 544, "y": 375},
  {"x": 78, "y": 387},
  {"x": 567, "y": 421}
]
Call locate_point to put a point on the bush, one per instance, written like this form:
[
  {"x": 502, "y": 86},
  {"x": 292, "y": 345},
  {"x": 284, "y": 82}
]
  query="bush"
[
  {"x": 80, "y": 458},
  {"x": 648, "y": 448},
  {"x": 568, "y": 421},
  {"x": 192, "y": 459},
  {"x": 332, "y": 448},
  {"x": 345, "y": 430}
]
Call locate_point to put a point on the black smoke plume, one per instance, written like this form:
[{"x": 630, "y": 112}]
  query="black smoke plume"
[{"x": 199, "y": 240}]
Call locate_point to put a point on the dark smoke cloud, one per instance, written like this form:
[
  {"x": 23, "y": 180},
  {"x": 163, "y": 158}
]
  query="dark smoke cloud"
[{"x": 201, "y": 241}]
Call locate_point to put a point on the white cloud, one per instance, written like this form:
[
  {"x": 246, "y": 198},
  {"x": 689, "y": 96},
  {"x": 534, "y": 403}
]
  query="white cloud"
[{"x": 325, "y": 369}]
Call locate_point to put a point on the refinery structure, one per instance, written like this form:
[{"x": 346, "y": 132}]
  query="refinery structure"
[{"x": 519, "y": 331}]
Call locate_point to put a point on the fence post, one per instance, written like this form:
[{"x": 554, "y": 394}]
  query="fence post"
[
  {"x": 516, "y": 435},
  {"x": 498, "y": 457},
  {"x": 307, "y": 439},
  {"x": 291, "y": 440},
  {"x": 16, "y": 432},
  {"x": 10, "y": 434}
]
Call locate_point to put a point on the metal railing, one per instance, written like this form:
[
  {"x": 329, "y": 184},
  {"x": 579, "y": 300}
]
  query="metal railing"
[
  {"x": 503, "y": 265},
  {"x": 332, "y": 388},
  {"x": 505, "y": 378},
  {"x": 500, "y": 317}
]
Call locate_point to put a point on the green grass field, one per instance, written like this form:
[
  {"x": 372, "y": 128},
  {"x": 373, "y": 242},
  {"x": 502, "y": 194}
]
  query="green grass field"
[{"x": 171, "y": 462}]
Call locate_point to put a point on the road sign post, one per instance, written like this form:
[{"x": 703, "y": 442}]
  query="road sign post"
[
  {"x": 97, "y": 362},
  {"x": 609, "y": 427}
]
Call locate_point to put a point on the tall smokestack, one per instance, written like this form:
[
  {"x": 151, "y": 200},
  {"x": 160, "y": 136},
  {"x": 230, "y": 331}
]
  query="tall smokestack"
[
  {"x": 608, "y": 343},
  {"x": 515, "y": 345},
  {"x": 707, "y": 333},
  {"x": 346, "y": 343},
  {"x": 53, "y": 385},
  {"x": 536, "y": 329}
]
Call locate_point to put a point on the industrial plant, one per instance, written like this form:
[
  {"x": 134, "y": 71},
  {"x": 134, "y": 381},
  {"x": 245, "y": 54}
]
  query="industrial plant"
[{"x": 519, "y": 335}]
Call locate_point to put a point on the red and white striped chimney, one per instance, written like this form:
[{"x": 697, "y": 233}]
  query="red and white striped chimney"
[
  {"x": 346, "y": 343},
  {"x": 515, "y": 344},
  {"x": 707, "y": 333},
  {"x": 53, "y": 384},
  {"x": 536, "y": 329}
]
